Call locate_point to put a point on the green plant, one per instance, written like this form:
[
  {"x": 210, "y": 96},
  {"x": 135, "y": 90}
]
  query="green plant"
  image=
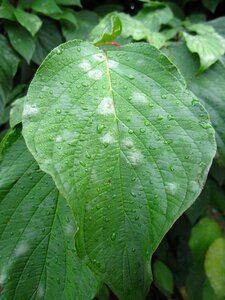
[{"x": 109, "y": 146}]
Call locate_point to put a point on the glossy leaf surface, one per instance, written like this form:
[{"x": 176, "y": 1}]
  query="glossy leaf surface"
[
  {"x": 126, "y": 145},
  {"x": 37, "y": 253}
]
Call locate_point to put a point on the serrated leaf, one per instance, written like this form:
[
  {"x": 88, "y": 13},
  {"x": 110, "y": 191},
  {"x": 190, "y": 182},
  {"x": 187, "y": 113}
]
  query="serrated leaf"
[
  {"x": 9, "y": 62},
  {"x": 117, "y": 131},
  {"x": 215, "y": 266},
  {"x": 107, "y": 30},
  {"x": 203, "y": 234},
  {"x": 210, "y": 47},
  {"x": 38, "y": 258},
  {"x": 30, "y": 21},
  {"x": 208, "y": 86},
  {"x": 21, "y": 40},
  {"x": 48, "y": 38},
  {"x": 163, "y": 277},
  {"x": 16, "y": 111}
]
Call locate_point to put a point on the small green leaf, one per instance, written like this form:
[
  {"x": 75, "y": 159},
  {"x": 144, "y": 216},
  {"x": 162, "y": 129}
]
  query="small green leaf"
[
  {"x": 153, "y": 16},
  {"x": 7, "y": 11},
  {"x": 38, "y": 257},
  {"x": 30, "y": 21},
  {"x": 21, "y": 40},
  {"x": 202, "y": 235},
  {"x": 115, "y": 129},
  {"x": 215, "y": 266},
  {"x": 134, "y": 28},
  {"x": 9, "y": 62},
  {"x": 210, "y": 47},
  {"x": 69, "y": 2},
  {"x": 163, "y": 277},
  {"x": 48, "y": 38},
  {"x": 16, "y": 111},
  {"x": 46, "y": 7},
  {"x": 211, "y": 4},
  {"x": 66, "y": 15},
  {"x": 107, "y": 30}
]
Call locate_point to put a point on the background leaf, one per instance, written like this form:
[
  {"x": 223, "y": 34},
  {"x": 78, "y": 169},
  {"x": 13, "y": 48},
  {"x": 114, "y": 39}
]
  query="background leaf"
[
  {"x": 208, "y": 87},
  {"x": 202, "y": 235},
  {"x": 163, "y": 277},
  {"x": 215, "y": 266},
  {"x": 210, "y": 47},
  {"x": 109, "y": 127},
  {"x": 21, "y": 40},
  {"x": 30, "y": 21},
  {"x": 37, "y": 228},
  {"x": 48, "y": 38},
  {"x": 107, "y": 30},
  {"x": 9, "y": 62}
]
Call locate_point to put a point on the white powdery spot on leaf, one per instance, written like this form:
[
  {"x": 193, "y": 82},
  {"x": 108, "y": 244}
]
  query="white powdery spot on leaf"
[
  {"x": 70, "y": 230},
  {"x": 171, "y": 187},
  {"x": 135, "y": 157},
  {"x": 127, "y": 144},
  {"x": 95, "y": 74},
  {"x": 98, "y": 56},
  {"x": 21, "y": 249},
  {"x": 58, "y": 139},
  {"x": 85, "y": 65},
  {"x": 139, "y": 98},
  {"x": 30, "y": 110},
  {"x": 113, "y": 64},
  {"x": 107, "y": 138},
  {"x": 70, "y": 135},
  {"x": 106, "y": 107},
  {"x": 40, "y": 291}
]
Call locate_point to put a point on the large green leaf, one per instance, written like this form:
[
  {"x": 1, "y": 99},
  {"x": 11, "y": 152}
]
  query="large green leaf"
[
  {"x": 30, "y": 21},
  {"x": 208, "y": 86},
  {"x": 21, "y": 40},
  {"x": 37, "y": 254},
  {"x": 215, "y": 266},
  {"x": 9, "y": 63},
  {"x": 126, "y": 145}
]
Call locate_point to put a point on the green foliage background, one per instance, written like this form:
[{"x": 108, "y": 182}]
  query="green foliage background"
[{"x": 190, "y": 260}]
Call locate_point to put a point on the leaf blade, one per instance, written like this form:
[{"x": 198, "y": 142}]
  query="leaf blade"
[{"x": 111, "y": 186}]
